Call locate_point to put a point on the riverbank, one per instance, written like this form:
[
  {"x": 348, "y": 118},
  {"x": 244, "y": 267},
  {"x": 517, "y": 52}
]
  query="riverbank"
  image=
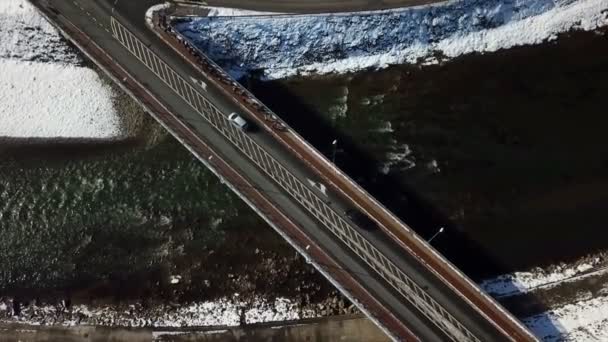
[{"x": 351, "y": 328}]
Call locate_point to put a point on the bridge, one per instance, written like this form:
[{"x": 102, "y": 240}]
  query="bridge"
[{"x": 396, "y": 278}]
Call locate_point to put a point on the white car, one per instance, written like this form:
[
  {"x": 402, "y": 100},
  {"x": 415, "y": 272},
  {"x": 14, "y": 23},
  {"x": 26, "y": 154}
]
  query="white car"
[{"x": 238, "y": 121}]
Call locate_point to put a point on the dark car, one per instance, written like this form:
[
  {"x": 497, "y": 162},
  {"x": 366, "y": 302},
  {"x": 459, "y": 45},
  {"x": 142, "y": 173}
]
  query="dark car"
[{"x": 360, "y": 219}]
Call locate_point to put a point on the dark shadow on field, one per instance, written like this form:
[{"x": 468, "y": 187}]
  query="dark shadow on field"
[{"x": 466, "y": 254}]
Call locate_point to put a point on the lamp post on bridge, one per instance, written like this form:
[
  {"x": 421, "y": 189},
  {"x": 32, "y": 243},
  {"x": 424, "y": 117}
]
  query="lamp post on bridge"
[
  {"x": 435, "y": 235},
  {"x": 334, "y": 145}
]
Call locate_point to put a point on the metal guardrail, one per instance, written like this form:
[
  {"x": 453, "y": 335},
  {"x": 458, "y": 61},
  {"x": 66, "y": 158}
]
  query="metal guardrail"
[{"x": 341, "y": 228}]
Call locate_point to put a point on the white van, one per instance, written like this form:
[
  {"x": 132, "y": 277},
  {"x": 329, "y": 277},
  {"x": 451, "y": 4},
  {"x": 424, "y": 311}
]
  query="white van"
[{"x": 238, "y": 121}]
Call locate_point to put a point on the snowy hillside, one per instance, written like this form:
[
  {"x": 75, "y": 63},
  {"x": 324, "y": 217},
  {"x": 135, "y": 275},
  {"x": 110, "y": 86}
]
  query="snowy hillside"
[
  {"x": 287, "y": 45},
  {"x": 44, "y": 93}
]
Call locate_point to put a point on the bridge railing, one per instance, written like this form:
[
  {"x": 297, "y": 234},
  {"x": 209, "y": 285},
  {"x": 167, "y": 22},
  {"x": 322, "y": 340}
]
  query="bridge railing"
[{"x": 309, "y": 199}]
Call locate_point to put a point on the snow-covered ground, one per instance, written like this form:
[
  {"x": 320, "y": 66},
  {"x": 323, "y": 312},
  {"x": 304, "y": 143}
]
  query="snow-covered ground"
[
  {"x": 286, "y": 45},
  {"x": 521, "y": 282},
  {"x": 581, "y": 316},
  {"x": 585, "y": 320},
  {"x": 225, "y": 311},
  {"x": 234, "y": 12},
  {"x": 48, "y": 100},
  {"x": 44, "y": 93}
]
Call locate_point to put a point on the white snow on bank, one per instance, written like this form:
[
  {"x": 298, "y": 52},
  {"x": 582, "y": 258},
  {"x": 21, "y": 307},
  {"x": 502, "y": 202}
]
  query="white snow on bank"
[
  {"x": 234, "y": 12},
  {"x": 288, "y": 45},
  {"x": 26, "y": 35},
  {"x": 221, "y": 312},
  {"x": 43, "y": 94},
  {"x": 156, "y": 8},
  {"x": 521, "y": 282},
  {"x": 227, "y": 312},
  {"x": 21, "y": 10},
  {"x": 586, "y": 320},
  {"x": 49, "y": 100},
  {"x": 585, "y": 15}
]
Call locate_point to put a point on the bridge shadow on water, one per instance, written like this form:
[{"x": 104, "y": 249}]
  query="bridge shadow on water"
[{"x": 465, "y": 253}]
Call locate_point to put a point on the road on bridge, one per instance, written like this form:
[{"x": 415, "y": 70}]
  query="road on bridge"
[{"x": 93, "y": 19}]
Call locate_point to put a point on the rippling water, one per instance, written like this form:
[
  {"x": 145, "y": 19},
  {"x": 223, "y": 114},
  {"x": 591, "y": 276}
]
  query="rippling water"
[{"x": 65, "y": 218}]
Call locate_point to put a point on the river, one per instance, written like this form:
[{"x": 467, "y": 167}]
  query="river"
[{"x": 505, "y": 150}]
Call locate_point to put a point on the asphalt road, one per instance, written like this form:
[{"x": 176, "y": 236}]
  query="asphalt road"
[{"x": 93, "y": 18}]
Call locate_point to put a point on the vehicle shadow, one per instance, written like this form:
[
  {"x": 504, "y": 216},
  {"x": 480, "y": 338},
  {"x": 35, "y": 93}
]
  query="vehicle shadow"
[{"x": 421, "y": 215}]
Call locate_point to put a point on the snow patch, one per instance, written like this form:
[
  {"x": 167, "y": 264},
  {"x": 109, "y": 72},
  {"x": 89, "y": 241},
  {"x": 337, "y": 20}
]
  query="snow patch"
[
  {"x": 234, "y": 12},
  {"x": 521, "y": 282},
  {"x": 223, "y": 312},
  {"x": 586, "y": 320},
  {"x": 26, "y": 35},
  {"x": 48, "y": 100},
  {"x": 44, "y": 94},
  {"x": 156, "y": 8}
]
